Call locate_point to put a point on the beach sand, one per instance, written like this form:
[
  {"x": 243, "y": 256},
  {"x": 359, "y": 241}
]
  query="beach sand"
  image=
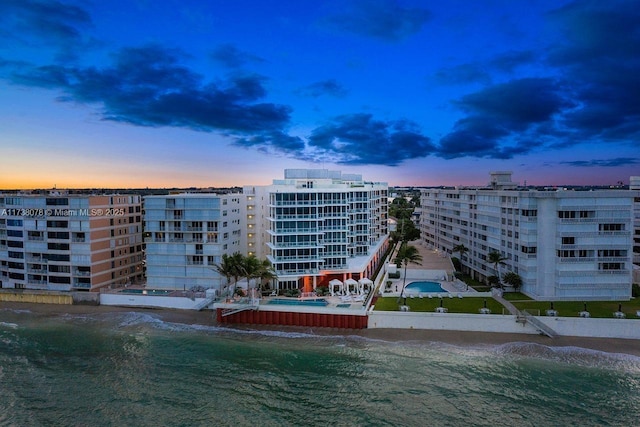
[{"x": 207, "y": 318}]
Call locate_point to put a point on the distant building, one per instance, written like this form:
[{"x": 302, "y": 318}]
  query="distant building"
[
  {"x": 570, "y": 245},
  {"x": 316, "y": 225},
  {"x": 70, "y": 242},
  {"x": 187, "y": 234}
]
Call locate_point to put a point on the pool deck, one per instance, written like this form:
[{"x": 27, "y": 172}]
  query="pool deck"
[{"x": 432, "y": 261}]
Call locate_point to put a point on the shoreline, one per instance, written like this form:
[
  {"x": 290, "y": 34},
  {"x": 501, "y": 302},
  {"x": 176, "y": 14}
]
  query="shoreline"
[{"x": 452, "y": 337}]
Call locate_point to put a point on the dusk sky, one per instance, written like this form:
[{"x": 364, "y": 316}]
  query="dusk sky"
[{"x": 231, "y": 92}]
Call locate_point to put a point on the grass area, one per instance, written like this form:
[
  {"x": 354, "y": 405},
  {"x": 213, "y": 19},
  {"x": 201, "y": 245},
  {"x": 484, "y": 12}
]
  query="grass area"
[
  {"x": 469, "y": 305},
  {"x": 515, "y": 296},
  {"x": 601, "y": 309}
]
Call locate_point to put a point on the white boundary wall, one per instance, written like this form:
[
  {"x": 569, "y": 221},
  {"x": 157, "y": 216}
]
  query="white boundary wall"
[
  {"x": 449, "y": 322},
  {"x": 567, "y": 326},
  {"x": 180, "y": 303},
  {"x": 599, "y": 328}
]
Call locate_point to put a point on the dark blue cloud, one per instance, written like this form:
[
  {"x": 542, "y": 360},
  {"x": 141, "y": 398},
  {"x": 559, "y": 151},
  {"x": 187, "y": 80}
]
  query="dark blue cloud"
[
  {"x": 516, "y": 104},
  {"x": 232, "y": 57},
  {"x": 592, "y": 95},
  {"x": 274, "y": 141},
  {"x": 381, "y": 19},
  {"x": 607, "y": 163},
  {"x": 359, "y": 139},
  {"x": 149, "y": 86},
  {"x": 43, "y": 22},
  {"x": 484, "y": 71},
  {"x": 505, "y": 119},
  {"x": 330, "y": 87},
  {"x": 598, "y": 58}
]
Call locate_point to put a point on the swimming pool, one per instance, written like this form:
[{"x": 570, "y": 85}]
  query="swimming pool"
[
  {"x": 424, "y": 286},
  {"x": 318, "y": 302}
]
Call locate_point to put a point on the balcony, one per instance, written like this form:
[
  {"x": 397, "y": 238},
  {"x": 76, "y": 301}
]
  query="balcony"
[{"x": 80, "y": 273}]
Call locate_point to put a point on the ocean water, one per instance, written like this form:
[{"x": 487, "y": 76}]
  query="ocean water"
[{"x": 133, "y": 369}]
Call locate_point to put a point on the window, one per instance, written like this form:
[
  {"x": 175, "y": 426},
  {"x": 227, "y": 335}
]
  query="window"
[
  {"x": 566, "y": 214},
  {"x": 611, "y": 266},
  {"x": 568, "y": 240},
  {"x": 611, "y": 227}
]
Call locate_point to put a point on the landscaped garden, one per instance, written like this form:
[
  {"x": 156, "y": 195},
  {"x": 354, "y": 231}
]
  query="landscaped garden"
[
  {"x": 599, "y": 309},
  {"x": 469, "y": 305}
]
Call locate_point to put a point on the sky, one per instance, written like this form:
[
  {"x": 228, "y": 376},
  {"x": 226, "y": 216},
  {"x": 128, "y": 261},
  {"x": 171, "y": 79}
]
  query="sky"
[{"x": 215, "y": 93}]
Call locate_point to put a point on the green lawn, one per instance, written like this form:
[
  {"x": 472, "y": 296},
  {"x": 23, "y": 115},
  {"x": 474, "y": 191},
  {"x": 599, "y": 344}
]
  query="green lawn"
[
  {"x": 454, "y": 305},
  {"x": 601, "y": 309},
  {"x": 597, "y": 309}
]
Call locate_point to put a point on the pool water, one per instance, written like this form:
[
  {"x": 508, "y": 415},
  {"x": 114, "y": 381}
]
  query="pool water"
[
  {"x": 424, "y": 286},
  {"x": 312, "y": 302}
]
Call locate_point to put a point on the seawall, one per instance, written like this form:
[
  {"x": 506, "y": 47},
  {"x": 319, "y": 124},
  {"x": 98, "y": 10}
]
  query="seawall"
[
  {"x": 36, "y": 297},
  {"x": 561, "y": 326}
]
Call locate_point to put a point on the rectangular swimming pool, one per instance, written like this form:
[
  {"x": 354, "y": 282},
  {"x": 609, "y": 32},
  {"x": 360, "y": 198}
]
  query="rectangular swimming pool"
[{"x": 318, "y": 302}]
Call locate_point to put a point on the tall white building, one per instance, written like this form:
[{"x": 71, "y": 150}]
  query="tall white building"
[
  {"x": 565, "y": 244},
  {"x": 316, "y": 225},
  {"x": 66, "y": 242},
  {"x": 186, "y": 236}
]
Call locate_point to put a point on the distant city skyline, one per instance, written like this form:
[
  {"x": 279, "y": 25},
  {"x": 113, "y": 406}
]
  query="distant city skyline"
[{"x": 189, "y": 93}]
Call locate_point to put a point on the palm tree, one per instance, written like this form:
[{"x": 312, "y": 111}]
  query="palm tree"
[
  {"x": 513, "y": 279},
  {"x": 225, "y": 268},
  {"x": 461, "y": 249},
  {"x": 254, "y": 268},
  {"x": 251, "y": 268},
  {"x": 407, "y": 255},
  {"x": 230, "y": 267},
  {"x": 266, "y": 272},
  {"x": 496, "y": 259}
]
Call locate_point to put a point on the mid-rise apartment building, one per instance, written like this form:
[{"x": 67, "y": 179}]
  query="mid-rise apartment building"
[
  {"x": 315, "y": 225},
  {"x": 565, "y": 244},
  {"x": 187, "y": 234},
  {"x": 70, "y": 241}
]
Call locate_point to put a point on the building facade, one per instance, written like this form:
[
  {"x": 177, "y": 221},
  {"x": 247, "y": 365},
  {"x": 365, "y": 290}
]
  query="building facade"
[
  {"x": 565, "y": 244},
  {"x": 634, "y": 185},
  {"x": 315, "y": 225},
  {"x": 70, "y": 241},
  {"x": 186, "y": 236}
]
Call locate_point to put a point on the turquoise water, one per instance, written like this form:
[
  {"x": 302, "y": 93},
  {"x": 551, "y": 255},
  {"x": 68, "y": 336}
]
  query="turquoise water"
[
  {"x": 425, "y": 286},
  {"x": 133, "y": 369},
  {"x": 312, "y": 302}
]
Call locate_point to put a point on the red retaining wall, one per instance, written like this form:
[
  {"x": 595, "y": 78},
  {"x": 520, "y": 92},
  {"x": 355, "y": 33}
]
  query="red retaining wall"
[{"x": 255, "y": 317}]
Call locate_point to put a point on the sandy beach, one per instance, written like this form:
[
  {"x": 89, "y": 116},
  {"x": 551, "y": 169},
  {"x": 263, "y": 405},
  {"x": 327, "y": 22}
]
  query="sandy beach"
[{"x": 207, "y": 318}]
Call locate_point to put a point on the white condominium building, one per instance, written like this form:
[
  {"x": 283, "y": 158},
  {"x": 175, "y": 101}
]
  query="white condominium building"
[
  {"x": 186, "y": 236},
  {"x": 565, "y": 244},
  {"x": 70, "y": 241},
  {"x": 316, "y": 225}
]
